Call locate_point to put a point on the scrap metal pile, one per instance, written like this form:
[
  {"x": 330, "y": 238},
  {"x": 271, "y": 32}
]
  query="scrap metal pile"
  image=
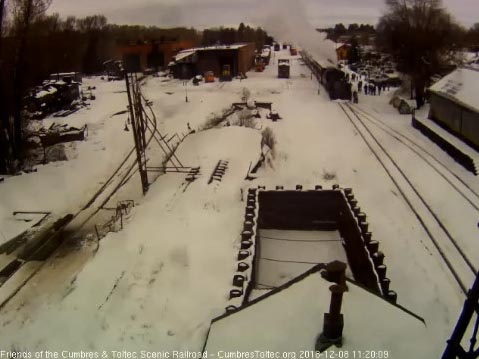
[
  {"x": 61, "y": 94},
  {"x": 60, "y": 133}
]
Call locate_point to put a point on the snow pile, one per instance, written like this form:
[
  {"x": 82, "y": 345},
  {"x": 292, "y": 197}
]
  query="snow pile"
[{"x": 48, "y": 90}]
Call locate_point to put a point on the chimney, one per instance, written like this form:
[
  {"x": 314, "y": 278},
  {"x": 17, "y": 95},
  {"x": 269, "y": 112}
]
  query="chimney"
[
  {"x": 333, "y": 322},
  {"x": 335, "y": 272}
]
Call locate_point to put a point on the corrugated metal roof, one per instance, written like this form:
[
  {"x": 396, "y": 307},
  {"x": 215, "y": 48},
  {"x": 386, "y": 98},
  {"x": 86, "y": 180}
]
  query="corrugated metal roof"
[{"x": 184, "y": 54}]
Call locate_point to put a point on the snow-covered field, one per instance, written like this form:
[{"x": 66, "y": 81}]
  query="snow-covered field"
[{"x": 158, "y": 283}]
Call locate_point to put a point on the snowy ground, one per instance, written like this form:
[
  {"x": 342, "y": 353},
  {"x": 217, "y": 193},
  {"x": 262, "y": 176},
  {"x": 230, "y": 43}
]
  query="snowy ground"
[
  {"x": 62, "y": 187},
  {"x": 160, "y": 281}
]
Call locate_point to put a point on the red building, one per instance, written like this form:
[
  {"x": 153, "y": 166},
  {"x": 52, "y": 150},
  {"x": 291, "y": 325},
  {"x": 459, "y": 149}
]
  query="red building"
[
  {"x": 155, "y": 54},
  {"x": 342, "y": 51}
]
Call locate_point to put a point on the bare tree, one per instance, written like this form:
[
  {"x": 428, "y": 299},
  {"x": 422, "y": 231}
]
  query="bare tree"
[
  {"x": 3, "y": 107},
  {"x": 2, "y": 10},
  {"x": 24, "y": 13},
  {"x": 417, "y": 33}
]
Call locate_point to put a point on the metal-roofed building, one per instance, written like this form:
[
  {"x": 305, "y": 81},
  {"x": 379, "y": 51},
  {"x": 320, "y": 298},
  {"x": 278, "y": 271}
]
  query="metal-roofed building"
[
  {"x": 455, "y": 104},
  {"x": 239, "y": 58},
  {"x": 153, "y": 54}
]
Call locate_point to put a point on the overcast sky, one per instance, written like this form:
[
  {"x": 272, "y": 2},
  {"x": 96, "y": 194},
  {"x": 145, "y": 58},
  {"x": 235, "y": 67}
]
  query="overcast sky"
[{"x": 206, "y": 13}]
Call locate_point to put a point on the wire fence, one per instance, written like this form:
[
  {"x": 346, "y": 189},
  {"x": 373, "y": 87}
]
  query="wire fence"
[{"x": 115, "y": 223}]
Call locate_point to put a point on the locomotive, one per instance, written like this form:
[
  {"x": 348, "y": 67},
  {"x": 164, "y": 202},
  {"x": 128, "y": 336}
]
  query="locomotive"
[{"x": 332, "y": 78}]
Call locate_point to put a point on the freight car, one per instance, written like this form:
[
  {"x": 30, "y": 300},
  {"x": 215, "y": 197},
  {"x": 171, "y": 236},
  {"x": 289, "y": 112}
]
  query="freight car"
[{"x": 283, "y": 68}]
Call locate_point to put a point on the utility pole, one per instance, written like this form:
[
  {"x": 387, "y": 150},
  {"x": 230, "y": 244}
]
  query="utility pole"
[
  {"x": 138, "y": 126},
  {"x": 454, "y": 348},
  {"x": 185, "y": 83}
]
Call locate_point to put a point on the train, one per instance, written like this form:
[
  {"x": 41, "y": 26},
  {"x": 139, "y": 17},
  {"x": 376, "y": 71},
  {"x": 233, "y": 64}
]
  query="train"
[
  {"x": 332, "y": 78},
  {"x": 283, "y": 68}
]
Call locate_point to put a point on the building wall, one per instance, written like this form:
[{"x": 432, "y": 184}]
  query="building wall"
[
  {"x": 246, "y": 58},
  {"x": 319, "y": 210},
  {"x": 170, "y": 49},
  {"x": 240, "y": 60},
  {"x": 458, "y": 119},
  {"x": 342, "y": 53},
  {"x": 212, "y": 60},
  {"x": 470, "y": 126},
  {"x": 165, "y": 49}
]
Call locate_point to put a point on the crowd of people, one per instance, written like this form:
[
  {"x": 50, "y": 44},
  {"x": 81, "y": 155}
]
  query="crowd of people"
[{"x": 359, "y": 85}]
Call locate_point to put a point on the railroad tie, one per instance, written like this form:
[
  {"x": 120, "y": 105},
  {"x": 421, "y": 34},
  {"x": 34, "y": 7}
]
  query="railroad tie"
[
  {"x": 219, "y": 171},
  {"x": 193, "y": 174}
]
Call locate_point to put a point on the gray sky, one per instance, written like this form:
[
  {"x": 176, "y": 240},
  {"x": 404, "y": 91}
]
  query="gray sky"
[{"x": 206, "y": 13}]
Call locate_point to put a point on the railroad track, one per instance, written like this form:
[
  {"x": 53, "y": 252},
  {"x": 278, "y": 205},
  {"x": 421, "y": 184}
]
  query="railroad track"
[
  {"x": 439, "y": 167},
  {"x": 454, "y": 257},
  {"x": 77, "y": 221}
]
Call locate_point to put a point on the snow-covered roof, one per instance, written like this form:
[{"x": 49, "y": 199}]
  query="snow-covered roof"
[
  {"x": 184, "y": 54},
  {"x": 60, "y": 74},
  {"x": 470, "y": 56},
  {"x": 46, "y": 91},
  {"x": 224, "y": 47},
  {"x": 460, "y": 86},
  {"x": 214, "y": 47},
  {"x": 341, "y": 44},
  {"x": 291, "y": 319}
]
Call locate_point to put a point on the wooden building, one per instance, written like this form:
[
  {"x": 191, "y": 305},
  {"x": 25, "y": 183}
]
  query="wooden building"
[
  {"x": 238, "y": 57},
  {"x": 342, "y": 51},
  {"x": 455, "y": 104}
]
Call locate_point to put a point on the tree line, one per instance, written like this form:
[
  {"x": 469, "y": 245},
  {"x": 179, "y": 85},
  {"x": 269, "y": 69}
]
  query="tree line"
[
  {"x": 34, "y": 45},
  {"x": 423, "y": 38},
  {"x": 229, "y": 35},
  {"x": 359, "y": 31},
  {"x": 420, "y": 35}
]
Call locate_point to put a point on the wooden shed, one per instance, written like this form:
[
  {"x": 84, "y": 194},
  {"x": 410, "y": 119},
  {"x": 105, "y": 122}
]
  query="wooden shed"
[
  {"x": 342, "y": 51},
  {"x": 238, "y": 58},
  {"x": 455, "y": 104}
]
